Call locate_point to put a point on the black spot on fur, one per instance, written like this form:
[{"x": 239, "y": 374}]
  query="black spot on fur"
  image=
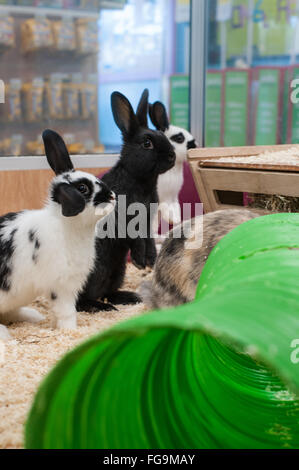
[
  {"x": 31, "y": 235},
  {"x": 6, "y": 284},
  {"x": 67, "y": 177},
  {"x": 178, "y": 138},
  {"x": 54, "y": 192},
  {"x": 53, "y": 296},
  {"x": 6, "y": 251},
  {"x": 75, "y": 184},
  {"x": 78, "y": 184},
  {"x": 33, "y": 239},
  {"x": 104, "y": 195}
]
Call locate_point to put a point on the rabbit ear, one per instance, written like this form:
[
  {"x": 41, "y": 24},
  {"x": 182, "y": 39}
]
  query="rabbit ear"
[
  {"x": 56, "y": 152},
  {"x": 158, "y": 115},
  {"x": 71, "y": 200},
  {"x": 124, "y": 115},
  {"x": 142, "y": 109}
]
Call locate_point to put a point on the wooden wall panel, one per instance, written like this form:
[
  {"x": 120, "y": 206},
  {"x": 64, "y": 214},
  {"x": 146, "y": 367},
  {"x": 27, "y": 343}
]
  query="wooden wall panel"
[{"x": 27, "y": 189}]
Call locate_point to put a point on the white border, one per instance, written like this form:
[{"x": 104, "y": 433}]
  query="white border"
[
  {"x": 40, "y": 163},
  {"x": 23, "y": 10},
  {"x": 198, "y": 68},
  {"x": 69, "y": 13}
]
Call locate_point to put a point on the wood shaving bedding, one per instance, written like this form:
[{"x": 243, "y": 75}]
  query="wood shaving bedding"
[
  {"x": 35, "y": 349},
  {"x": 282, "y": 157}
]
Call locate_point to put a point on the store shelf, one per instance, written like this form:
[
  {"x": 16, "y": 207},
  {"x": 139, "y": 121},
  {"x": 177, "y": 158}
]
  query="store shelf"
[
  {"x": 29, "y": 11},
  {"x": 69, "y": 13},
  {"x": 111, "y": 4},
  {"x": 40, "y": 162}
]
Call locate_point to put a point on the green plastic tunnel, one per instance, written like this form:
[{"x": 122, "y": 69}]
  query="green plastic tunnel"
[{"x": 220, "y": 372}]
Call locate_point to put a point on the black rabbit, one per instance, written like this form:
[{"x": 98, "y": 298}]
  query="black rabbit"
[{"x": 144, "y": 156}]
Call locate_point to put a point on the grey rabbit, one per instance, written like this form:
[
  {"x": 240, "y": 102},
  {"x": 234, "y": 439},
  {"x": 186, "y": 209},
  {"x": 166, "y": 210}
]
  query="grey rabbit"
[{"x": 178, "y": 269}]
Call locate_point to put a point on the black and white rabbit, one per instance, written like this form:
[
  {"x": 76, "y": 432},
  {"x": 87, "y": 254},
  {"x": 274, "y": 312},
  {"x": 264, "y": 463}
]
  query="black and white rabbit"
[
  {"x": 170, "y": 183},
  {"x": 50, "y": 252},
  {"x": 145, "y": 155}
]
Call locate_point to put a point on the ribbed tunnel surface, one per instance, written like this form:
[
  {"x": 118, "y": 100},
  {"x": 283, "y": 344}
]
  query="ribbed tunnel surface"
[{"x": 216, "y": 373}]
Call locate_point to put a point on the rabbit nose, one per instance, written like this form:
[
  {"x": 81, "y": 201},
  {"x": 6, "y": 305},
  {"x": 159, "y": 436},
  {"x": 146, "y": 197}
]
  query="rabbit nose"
[{"x": 192, "y": 144}]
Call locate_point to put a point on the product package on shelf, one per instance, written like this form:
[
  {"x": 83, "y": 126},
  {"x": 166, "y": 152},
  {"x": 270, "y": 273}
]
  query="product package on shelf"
[
  {"x": 48, "y": 3},
  {"x": 11, "y": 110},
  {"x": 49, "y": 76},
  {"x": 35, "y": 147},
  {"x": 36, "y": 34},
  {"x": 87, "y": 36},
  {"x": 91, "y": 5},
  {"x": 92, "y": 148},
  {"x": 23, "y": 3},
  {"x": 64, "y": 35},
  {"x": 71, "y": 94},
  {"x": 89, "y": 145},
  {"x": 33, "y": 99},
  {"x": 89, "y": 97},
  {"x": 54, "y": 96},
  {"x": 74, "y": 147},
  {"x": 12, "y": 146},
  {"x": 99, "y": 148},
  {"x": 7, "y": 33}
]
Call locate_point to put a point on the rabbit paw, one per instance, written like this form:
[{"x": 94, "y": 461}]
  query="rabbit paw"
[
  {"x": 4, "y": 334},
  {"x": 31, "y": 315},
  {"x": 138, "y": 264},
  {"x": 68, "y": 323},
  {"x": 151, "y": 258},
  {"x": 124, "y": 298},
  {"x": 176, "y": 220},
  {"x": 138, "y": 257},
  {"x": 93, "y": 306},
  {"x": 171, "y": 213},
  {"x": 24, "y": 314},
  {"x": 150, "y": 261},
  {"x": 151, "y": 252}
]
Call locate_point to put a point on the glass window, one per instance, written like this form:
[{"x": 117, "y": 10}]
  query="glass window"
[
  {"x": 145, "y": 45},
  {"x": 49, "y": 70},
  {"x": 253, "y": 58},
  {"x": 61, "y": 60}
]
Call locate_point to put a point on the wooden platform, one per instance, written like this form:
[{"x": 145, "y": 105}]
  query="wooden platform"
[{"x": 221, "y": 184}]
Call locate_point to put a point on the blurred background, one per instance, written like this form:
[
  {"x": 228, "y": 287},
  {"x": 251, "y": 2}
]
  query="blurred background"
[{"x": 61, "y": 60}]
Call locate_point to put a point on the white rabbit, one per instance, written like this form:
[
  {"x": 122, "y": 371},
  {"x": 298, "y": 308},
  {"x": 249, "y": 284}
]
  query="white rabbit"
[
  {"x": 51, "y": 251},
  {"x": 171, "y": 182}
]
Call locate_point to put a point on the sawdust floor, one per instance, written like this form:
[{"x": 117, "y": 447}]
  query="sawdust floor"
[{"x": 35, "y": 349}]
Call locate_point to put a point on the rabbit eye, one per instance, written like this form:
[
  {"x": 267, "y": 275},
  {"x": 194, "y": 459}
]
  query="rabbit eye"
[
  {"x": 83, "y": 188},
  {"x": 147, "y": 144},
  {"x": 178, "y": 138}
]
